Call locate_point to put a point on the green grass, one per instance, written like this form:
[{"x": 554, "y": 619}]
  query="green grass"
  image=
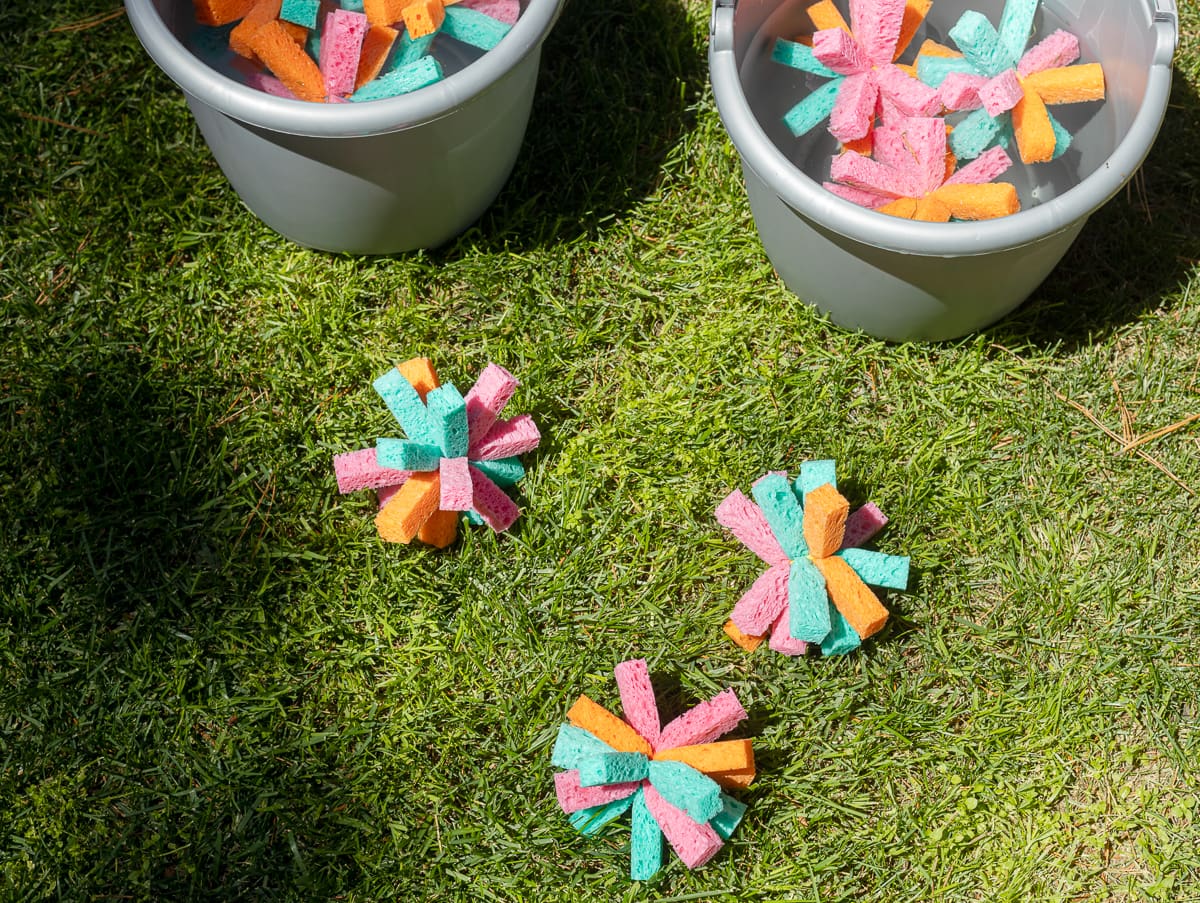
[{"x": 217, "y": 683}]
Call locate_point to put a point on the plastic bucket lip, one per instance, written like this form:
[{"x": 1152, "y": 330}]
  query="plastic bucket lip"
[
  {"x": 811, "y": 201},
  {"x": 375, "y": 117}
]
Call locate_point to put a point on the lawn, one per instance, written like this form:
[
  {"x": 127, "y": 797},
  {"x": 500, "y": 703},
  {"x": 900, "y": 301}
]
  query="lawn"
[{"x": 217, "y": 683}]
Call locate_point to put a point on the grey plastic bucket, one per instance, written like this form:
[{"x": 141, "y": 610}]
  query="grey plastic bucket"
[
  {"x": 898, "y": 279},
  {"x": 377, "y": 177}
]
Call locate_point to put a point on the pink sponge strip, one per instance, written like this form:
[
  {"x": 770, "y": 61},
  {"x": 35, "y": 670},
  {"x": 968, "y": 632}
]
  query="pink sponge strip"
[
  {"x": 781, "y": 637},
  {"x": 269, "y": 84},
  {"x": 341, "y": 44},
  {"x": 984, "y": 168},
  {"x": 856, "y": 195},
  {"x": 705, "y": 723},
  {"x": 505, "y": 11},
  {"x": 1059, "y": 49},
  {"x": 863, "y": 524},
  {"x": 385, "y": 494},
  {"x": 854, "y": 110},
  {"x": 455, "y": 478},
  {"x": 763, "y": 602},
  {"x": 836, "y": 49},
  {"x": 637, "y": 698},
  {"x": 507, "y": 439},
  {"x": 877, "y": 25},
  {"x": 868, "y": 175},
  {"x": 910, "y": 96},
  {"x": 745, "y": 520},
  {"x": 960, "y": 91},
  {"x": 359, "y": 470},
  {"x": 487, "y": 399},
  {"x": 573, "y": 797},
  {"x": 1000, "y": 94},
  {"x": 694, "y": 843},
  {"x": 497, "y": 509}
]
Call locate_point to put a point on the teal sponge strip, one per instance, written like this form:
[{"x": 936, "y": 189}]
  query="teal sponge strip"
[
  {"x": 646, "y": 841},
  {"x": 612, "y": 768},
  {"x": 842, "y": 638},
  {"x": 404, "y": 454},
  {"x": 504, "y": 472},
  {"x": 404, "y": 80},
  {"x": 405, "y": 404},
  {"x": 302, "y": 12},
  {"x": 1016, "y": 24},
  {"x": 574, "y": 744},
  {"x": 932, "y": 70},
  {"x": 1062, "y": 138},
  {"x": 785, "y": 517},
  {"x": 877, "y": 569},
  {"x": 473, "y": 27},
  {"x": 409, "y": 50},
  {"x": 980, "y": 44},
  {"x": 975, "y": 134},
  {"x": 589, "y": 821},
  {"x": 808, "y": 603},
  {"x": 448, "y": 420},
  {"x": 726, "y": 821},
  {"x": 813, "y": 110},
  {"x": 685, "y": 788},
  {"x": 800, "y": 56},
  {"x": 814, "y": 474}
]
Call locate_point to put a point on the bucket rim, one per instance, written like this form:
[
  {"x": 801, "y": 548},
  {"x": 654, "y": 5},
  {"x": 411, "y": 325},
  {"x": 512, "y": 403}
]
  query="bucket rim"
[
  {"x": 810, "y": 200},
  {"x": 325, "y": 120}
]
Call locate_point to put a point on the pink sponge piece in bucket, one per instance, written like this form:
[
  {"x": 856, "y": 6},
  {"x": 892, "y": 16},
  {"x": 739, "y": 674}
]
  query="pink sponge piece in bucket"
[{"x": 341, "y": 45}]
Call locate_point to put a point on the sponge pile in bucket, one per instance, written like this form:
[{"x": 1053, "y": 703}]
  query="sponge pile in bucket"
[
  {"x": 904, "y": 128},
  {"x": 320, "y": 51}
]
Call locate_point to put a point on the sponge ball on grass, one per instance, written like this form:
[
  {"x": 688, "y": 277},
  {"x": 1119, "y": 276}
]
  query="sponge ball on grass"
[{"x": 458, "y": 455}]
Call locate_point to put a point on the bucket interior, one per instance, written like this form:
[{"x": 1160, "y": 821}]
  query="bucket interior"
[
  {"x": 1118, "y": 35},
  {"x": 211, "y": 44}
]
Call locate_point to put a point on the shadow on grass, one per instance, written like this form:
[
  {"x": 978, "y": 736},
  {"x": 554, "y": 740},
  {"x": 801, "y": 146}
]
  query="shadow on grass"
[
  {"x": 1133, "y": 254},
  {"x": 616, "y": 82},
  {"x": 157, "y": 756}
]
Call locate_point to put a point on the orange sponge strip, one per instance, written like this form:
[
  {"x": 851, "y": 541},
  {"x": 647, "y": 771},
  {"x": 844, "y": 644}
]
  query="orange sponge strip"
[
  {"x": 288, "y": 62},
  {"x": 825, "y": 15},
  {"x": 1035, "y": 134},
  {"x": 825, "y": 513},
  {"x": 221, "y": 12},
  {"x": 440, "y": 529},
  {"x": 738, "y": 779},
  {"x": 423, "y": 17},
  {"x": 862, "y": 146},
  {"x": 1068, "y": 84},
  {"x": 932, "y": 48},
  {"x": 259, "y": 15},
  {"x": 979, "y": 201},
  {"x": 852, "y": 597},
  {"x": 420, "y": 373},
  {"x": 297, "y": 33},
  {"x": 384, "y": 12},
  {"x": 604, "y": 725},
  {"x": 406, "y": 511},
  {"x": 375, "y": 48},
  {"x": 905, "y": 208},
  {"x": 747, "y": 642},
  {"x": 914, "y": 14},
  {"x": 709, "y": 758},
  {"x": 930, "y": 209}
]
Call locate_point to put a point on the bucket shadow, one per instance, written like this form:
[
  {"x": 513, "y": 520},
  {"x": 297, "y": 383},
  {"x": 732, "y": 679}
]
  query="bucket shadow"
[
  {"x": 1134, "y": 252},
  {"x": 616, "y": 81}
]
